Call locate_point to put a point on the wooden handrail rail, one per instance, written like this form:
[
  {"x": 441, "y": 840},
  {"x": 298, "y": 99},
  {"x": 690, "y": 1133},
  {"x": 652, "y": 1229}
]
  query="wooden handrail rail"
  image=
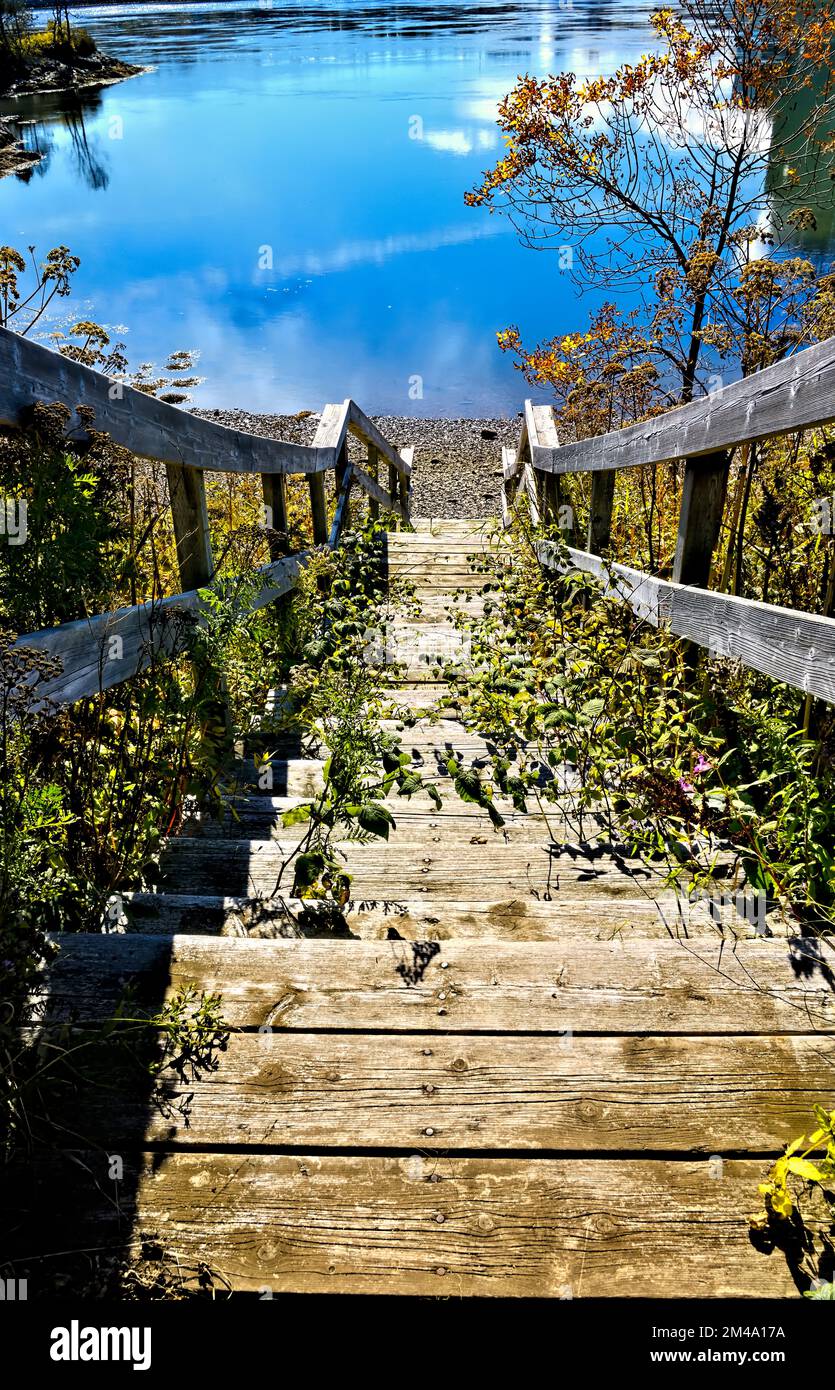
[
  {"x": 153, "y": 429},
  {"x": 795, "y": 394},
  {"x": 798, "y": 393},
  {"x": 102, "y": 651},
  {"x": 793, "y": 647}
]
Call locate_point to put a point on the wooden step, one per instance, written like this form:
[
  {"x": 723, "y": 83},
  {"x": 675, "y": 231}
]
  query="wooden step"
[
  {"x": 397, "y": 869},
  {"x": 627, "y": 986},
  {"x": 424, "y": 1223},
  {"x": 521, "y": 919},
  {"x": 574, "y": 1094}
]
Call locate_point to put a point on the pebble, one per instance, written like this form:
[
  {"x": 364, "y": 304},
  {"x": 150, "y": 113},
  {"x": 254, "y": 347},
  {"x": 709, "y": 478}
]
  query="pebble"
[{"x": 457, "y": 467}]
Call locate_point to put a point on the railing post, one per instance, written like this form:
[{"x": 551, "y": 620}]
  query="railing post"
[
  {"x": 374, "y": 472},
  {"x": 404, "y": 483},
  {"x": 600, "y": 511},
  {"x": 549, "y": 495},
  {"x": 702, "y": 502},
  {"x": 318, "y": 507},
  {"x": 187, "y": 494},
  {"x": 274, "y": 486},
  {"x": 341, "y": 470}
]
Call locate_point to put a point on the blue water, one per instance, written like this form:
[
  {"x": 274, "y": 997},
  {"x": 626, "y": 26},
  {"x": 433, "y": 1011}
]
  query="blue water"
[{"x": 334, "y": 142}]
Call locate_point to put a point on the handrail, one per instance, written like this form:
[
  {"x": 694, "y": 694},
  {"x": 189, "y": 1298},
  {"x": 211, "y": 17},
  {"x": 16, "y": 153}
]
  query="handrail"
[
  {"x": 102, "y": 651},
  {"x": 798, "y": 393},
  {"x": 154, "y": 429},
  {"x": 795, "y": 394}
]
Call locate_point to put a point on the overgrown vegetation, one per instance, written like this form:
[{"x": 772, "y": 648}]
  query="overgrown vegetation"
[
  {"x": 600, "y": 721},
  {"x": 798, "y": 1211}
]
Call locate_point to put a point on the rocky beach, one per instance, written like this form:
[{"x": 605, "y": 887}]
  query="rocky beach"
[{"x": 457, "y": 465}]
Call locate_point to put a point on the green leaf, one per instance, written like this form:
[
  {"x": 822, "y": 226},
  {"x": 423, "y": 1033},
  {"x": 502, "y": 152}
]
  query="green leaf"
[
  {"x": 468, "y": 784},
  {"x": 376, "y": 819},
  {"x": 308, "y": 868},
  {"x": 296, "y": 815},
  {"x": 825, "y": 1293},
  {"x": 802, "y": 1168}
]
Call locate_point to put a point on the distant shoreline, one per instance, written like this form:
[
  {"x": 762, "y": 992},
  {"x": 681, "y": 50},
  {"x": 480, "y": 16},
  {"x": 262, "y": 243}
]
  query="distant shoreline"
[{"x": 51, "y": 78}]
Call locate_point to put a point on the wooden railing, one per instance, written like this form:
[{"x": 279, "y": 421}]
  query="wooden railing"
[
  {"x": 796, "y": 394},
  {"x": 101, "y": 651}
]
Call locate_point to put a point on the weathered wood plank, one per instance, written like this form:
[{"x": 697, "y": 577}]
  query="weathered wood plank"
[
  {"x": 365, "y": 429},
  {"x": 565, "y": 919},
  {"x": 395, "y": 870},
  {"x": 793, "y": 647},
  {"x": 318, "y": 508},
  {"x": 529, "y": 485},
  {"x": 187, "y": 496},
  {"x": 274, "y": 488},
  {"x": 574, "y": 1094},
  {"x": 447, "y": 1226},
  {"x": 98, "y": 653},
  {"x": 700, "y": 520},
  {"x": 633, "y": 986},
  {"x": 333, "y": 427},
  {"x": 404, "y": 483},
  {"x": 340, "y": 515},
  {"x": 148, "y": 427},
  {"x": 378, "y": 494},
  {"x": 373, "y": 475},
  {"x": 795, "y": 394},
  {"x": 599, "y": 530}
]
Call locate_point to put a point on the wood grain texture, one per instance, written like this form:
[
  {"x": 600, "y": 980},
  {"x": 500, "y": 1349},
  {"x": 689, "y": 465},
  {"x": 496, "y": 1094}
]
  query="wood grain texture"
[
  {"x": 425, "y": 1223},
  {"x": 497, "y": 921},
  {"x": 569, "y": 1094},
  {"x": 700, "y": 520},
  {"x": 98, "y": 653},
  {"x": 624, "y": 986},
  {"x": 378, "y": 494},
  {"x": 401, "y": 870},
  {"x": 148, "y": 427},
  {"x": 366, "y": 430},
  {"x": 795, "y": 394},
  {"x": 187, "y": 498},
  {"x": 340, "y": 515},
  {"x": 793, "y": 647}
]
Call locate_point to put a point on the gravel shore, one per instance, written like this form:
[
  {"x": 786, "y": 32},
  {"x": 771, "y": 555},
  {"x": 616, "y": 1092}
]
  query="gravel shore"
[{"x": 458, "y": 463}]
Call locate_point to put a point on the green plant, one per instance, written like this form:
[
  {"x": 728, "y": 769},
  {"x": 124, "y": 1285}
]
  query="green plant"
[
  {"x": 597, "y": 720},
  {"x": 336, "y": 702},
  {"x": 798, "y": 1211}
]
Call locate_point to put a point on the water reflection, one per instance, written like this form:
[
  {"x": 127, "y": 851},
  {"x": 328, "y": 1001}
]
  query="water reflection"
[{"x": 284, "y": 191}]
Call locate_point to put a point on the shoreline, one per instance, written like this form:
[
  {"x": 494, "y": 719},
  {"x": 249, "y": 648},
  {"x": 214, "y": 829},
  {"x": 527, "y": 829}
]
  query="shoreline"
[
  {"x": 457, "y": 466},
  {"x": 53, "y": 78}
]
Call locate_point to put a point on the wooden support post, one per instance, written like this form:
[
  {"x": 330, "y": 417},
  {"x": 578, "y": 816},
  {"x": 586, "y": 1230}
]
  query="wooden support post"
[
  {"x": 187, "y": 494},
  {"x": 702, "y": 501},
  {"x": 318, "y": 507},
  {"x": 274, "y": 487},
  {"x": 600, "y": 511},
  {"x": 549, "y": 497},
  {"x": 404, "y": 482},
  {"x": 374, "y": 471},
  {"x": 394, "y": 489},
  {"x": 341, "y": 474}
]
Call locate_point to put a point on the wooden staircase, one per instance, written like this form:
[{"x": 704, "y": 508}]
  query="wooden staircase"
[{"x": 501, "y": 1072}]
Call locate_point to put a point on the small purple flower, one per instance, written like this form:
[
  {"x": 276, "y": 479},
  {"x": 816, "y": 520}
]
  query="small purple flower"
[
  {"x": 703, "y": 764},
  {"x": 686, "y": 786}
]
